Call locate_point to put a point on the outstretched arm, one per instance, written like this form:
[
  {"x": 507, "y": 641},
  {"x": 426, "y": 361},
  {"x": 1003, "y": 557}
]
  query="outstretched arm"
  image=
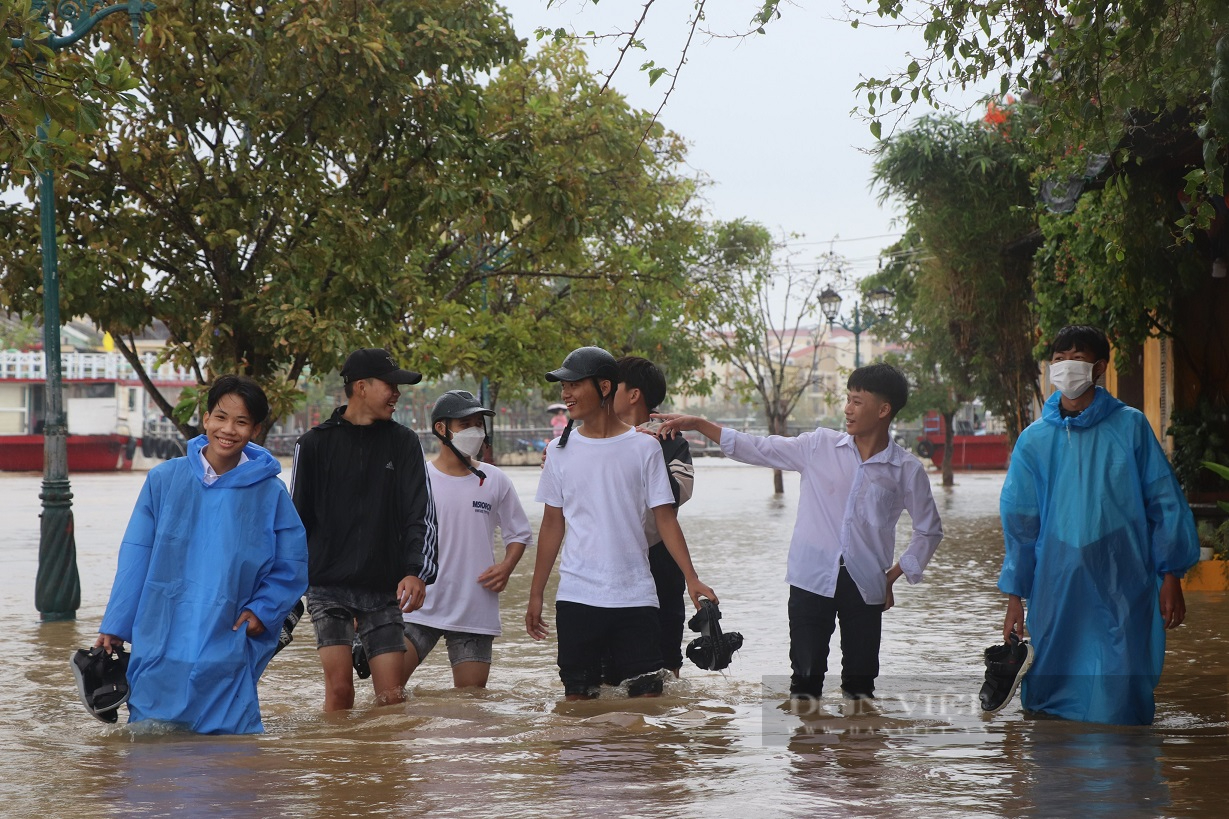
[{"x": 674, "y": 423}]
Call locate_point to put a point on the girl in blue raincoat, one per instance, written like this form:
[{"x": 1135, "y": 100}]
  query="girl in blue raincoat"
[
  {"x": 1098, "y": 535},
  {"x": 213, "y": 560}
]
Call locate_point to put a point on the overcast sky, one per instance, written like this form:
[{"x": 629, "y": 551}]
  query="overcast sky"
[{"x": 768, "y": 117}]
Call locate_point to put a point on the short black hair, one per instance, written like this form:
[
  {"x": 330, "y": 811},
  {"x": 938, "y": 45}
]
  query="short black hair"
[
  {"x": 249, "y": 392},
  {"x": 641, "y": 374},
  {"x": 1082, "y": 338},
  {"x": 883, "y": 380}
]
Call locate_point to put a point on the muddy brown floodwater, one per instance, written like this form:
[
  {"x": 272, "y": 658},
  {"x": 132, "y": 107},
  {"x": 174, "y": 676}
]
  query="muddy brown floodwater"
[{"x": 715, "y": 745}]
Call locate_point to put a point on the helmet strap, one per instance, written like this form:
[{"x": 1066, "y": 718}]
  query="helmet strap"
[{"x": 469, "y": 464}]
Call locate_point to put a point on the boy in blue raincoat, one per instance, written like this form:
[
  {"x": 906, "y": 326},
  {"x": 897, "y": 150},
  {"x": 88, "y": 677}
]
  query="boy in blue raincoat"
[
  {"x": 1098, "y": 535},
  {"x": 213, "y": 560}
]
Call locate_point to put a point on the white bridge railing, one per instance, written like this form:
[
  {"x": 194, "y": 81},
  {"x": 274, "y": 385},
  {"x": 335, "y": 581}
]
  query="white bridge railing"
[{"x": 19, "y": 366}]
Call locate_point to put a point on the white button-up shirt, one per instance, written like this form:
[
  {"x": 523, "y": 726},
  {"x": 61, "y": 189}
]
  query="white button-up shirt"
[
  {"x": 211, "y": 477},
  {"x": 848, "y": 508}
]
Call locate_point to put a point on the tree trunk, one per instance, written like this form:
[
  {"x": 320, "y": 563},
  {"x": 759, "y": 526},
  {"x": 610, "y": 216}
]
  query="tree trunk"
[
  {"x": 776, "y": 426},
  {"x": 948, "y": 449}
]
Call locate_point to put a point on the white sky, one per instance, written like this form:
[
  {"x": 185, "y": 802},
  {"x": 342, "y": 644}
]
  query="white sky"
[{"x": 768, "y": 118}]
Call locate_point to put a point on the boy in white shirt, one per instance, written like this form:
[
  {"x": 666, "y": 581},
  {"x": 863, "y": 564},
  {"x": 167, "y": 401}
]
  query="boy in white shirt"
[
  {"x": 471, "y": 499},
  {"x": 601, "y": 483},
  {"x": 854, "y": 486}
]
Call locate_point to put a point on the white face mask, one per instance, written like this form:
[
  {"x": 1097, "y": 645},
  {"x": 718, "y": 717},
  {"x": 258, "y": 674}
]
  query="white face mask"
[
  {"x": 469, "y": 441},
  {"x": 1071, "y": 377}
]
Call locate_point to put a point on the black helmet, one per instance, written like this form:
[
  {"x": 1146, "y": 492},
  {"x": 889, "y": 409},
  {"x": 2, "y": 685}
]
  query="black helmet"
[
  {"x": 457, "y": 404},
  {"x": 586, "y": 362}
]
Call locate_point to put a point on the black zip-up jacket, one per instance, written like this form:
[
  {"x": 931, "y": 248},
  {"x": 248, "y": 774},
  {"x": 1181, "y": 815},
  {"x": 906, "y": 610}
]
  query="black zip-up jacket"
[{"x": 364, "y": 497}]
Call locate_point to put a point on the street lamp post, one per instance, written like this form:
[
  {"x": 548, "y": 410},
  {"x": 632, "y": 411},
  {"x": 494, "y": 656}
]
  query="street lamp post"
[
  {"x": 57, "y": 588},
  {"x": 864, "y": 318}
]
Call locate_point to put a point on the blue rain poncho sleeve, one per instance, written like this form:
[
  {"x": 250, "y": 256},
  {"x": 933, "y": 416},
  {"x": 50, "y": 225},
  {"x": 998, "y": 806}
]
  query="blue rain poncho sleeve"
[
  {"x": 1171, "y": 525},
  {"x": 134, "y": 556},
  {"x": 1021, "y": 517},
  {"x": 287, "y": 575}
]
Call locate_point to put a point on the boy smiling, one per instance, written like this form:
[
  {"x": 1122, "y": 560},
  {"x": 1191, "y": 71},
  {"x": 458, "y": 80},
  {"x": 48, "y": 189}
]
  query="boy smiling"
[
  {"x": 601, "y": 483},
  {"x": 855, "y": 484},
  {"x": 214, "y": 555}
]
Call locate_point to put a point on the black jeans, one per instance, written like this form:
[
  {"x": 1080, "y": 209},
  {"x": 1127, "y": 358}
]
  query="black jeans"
[{"x": 812, "y": 619}]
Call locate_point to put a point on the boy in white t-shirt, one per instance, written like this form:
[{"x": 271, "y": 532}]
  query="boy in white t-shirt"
[
  {"x": 471, "y": 499},
  {"x": 601, "y": 483}
]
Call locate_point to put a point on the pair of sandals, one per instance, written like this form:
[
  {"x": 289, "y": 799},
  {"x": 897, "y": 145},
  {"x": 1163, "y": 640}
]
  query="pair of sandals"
[
  {"x": 102, "y": 676},
  {"x": 712, "y": 650}
]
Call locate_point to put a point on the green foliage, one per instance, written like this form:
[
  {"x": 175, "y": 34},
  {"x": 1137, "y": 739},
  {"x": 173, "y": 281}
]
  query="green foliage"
[
  {"x": 916, "y": 321},
  {"x": 1114, "y": 261},
  {"x": 967, "y": 197},
  {"x": 306, "y": 178},
  {"x": 1215, "y": 537},
  {"x": 1085, "y": 61},
  {"x": 1201, "y": 436},
  {"x": 69, "y": 93}
]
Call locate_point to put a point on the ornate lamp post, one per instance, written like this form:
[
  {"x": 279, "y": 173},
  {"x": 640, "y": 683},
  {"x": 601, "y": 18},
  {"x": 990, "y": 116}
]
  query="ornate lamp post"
[
  {"x": 864, "y": 318},
  {"x": 57, "y": 589}
]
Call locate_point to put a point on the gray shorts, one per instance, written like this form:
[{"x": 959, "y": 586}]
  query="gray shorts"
[
  {"x": 336, "y": 609},
  {"x": 463, "y": 647}
]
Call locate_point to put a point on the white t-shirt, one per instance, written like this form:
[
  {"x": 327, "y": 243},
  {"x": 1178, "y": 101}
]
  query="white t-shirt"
[
  {"x": 467, "y": 515},
  {"x": 607, "y": 489}
]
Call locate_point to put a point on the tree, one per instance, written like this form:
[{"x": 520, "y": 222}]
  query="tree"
[
  {"x": 64, "y": 92},
  {"x": 308, "y": 178},
  {"x": 918, "y": 321},
  {"x": 763, "y": 314},
  {"x": 966, "y": 192},
  {"x": 1085, "y": 62}
]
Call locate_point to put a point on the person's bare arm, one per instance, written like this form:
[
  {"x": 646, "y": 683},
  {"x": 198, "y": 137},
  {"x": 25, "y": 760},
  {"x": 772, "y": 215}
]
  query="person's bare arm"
[
  {"x": 1173, "y": 604},
  {"x": 672, "y": 535},
  {"x": 894, "y": 574},
  {"x": 496, "y": 577},
  {"x": 550, "y": 540},
  {"x": 1013, "y": 623}
]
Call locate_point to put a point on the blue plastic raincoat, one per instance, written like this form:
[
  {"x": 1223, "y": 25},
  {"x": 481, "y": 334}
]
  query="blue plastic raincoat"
[
  {"x": 1093, "y": 518},
  {"x": 193, "y": 558}
]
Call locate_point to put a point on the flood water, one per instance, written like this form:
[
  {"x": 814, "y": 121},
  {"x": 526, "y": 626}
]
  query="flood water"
[{"x": 715, "y": 745}]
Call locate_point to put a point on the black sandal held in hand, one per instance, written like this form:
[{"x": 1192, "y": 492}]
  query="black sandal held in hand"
[
  {"x": 102, "y": 680},
  {"x": 712, "y": 650}
]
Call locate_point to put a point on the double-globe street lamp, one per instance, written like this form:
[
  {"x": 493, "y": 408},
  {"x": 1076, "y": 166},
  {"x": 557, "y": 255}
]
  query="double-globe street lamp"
[
  {"x": 878, "y": 300},
  {"x": 57, "y": 588}
]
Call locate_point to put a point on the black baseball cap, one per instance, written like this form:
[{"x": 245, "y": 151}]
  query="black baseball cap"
[{"x": 373, "y": 362}]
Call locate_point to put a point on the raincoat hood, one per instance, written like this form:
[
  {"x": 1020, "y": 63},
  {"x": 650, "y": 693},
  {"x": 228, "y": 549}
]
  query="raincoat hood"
[
  {"x": 1103, "y": 405},
  {"x": 259, "y": 466}
]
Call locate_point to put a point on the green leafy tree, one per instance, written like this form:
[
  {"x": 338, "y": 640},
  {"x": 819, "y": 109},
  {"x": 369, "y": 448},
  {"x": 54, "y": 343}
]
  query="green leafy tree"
[
  {"x": 68, "y": 93},
  {"x": 966, "y": 191},
  {"x": 305, "y": 178}
]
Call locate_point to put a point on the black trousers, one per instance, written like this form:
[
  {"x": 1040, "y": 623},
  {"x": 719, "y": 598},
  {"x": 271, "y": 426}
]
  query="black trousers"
[{"x": 812, "y": 619}]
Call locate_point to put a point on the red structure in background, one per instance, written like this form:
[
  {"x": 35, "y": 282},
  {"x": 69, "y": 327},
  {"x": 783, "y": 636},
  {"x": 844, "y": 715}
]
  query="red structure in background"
[{"x": 971, "y": 451}]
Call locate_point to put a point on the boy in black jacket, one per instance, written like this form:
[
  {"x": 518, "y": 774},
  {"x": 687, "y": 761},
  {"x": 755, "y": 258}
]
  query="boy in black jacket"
[
  {"x": 642, "y": 388},
  {"x": 360, "y": 485}
]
